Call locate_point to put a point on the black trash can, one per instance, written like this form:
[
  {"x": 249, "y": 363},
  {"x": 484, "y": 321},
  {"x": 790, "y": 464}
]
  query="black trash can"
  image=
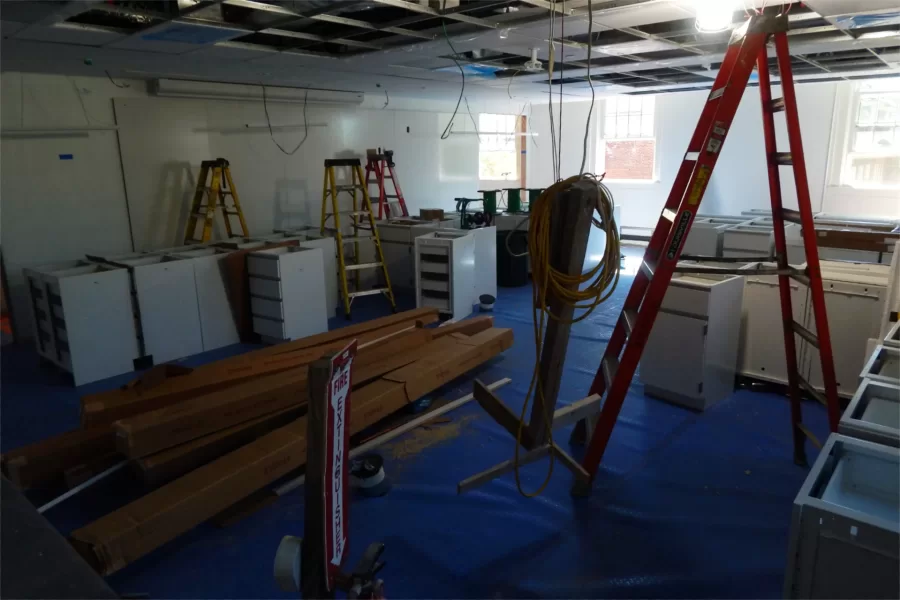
[{"x": 512, "y": 271}]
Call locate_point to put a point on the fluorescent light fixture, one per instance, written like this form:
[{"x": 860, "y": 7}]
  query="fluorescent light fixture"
[
  {"x": 714, "y": 16},
  {"x": 180, "y": 88},
  {"x": 66, "y": 132},
  {"x": 247, "y": 128},
  {"x": 503, "y": 133},
  {"x": 876, "y": 35}
]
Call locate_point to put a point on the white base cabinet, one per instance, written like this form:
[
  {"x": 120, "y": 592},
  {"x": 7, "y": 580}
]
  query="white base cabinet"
[
  {"x": 287, "y": 292},
  {"x": 445, "y": 272},
  {"x": 218, "y": 327},
  {"x": 83, "y": 318},
  {"x": 691, "y": 355}
]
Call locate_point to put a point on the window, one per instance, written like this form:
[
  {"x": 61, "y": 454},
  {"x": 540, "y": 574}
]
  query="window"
[
  {"x": 627, "y": 148},
  {"x": 498, "y": 157},
  {"x": 872, "y": 159}
]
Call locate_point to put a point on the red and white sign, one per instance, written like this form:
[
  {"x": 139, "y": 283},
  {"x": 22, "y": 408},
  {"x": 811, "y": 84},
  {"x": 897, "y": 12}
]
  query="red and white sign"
[{"x": 337, "y": 472}]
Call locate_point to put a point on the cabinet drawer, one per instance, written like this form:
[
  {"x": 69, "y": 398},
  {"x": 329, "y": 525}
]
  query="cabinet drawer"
[
  {"x": 265, "y": 267},
  {"x": 427, "y": 266},
  {"x": 438, "y": 286},
  {"x": 262, "y": 307},
  {"x": 267, "y": 288},
  {"x": 438, "y": 303},
  {"x": 269, "y": 328}
]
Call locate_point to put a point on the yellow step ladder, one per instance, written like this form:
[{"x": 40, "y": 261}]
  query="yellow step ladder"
[
  {"x": 214, "y": 194},
  {"x": 361, "y": 220}
]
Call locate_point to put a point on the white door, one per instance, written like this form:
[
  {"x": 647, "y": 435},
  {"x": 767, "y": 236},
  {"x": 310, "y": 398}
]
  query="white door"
[{"x": 673, "y": 356}]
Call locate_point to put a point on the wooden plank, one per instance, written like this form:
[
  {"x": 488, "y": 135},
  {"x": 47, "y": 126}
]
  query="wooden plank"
[
  {"x": 570, "y": 228},
  {"x": 501, "y": 469},
  {"x": 466, "y": 327},
  {"x": 501, "y": 413},
  {"x": 574, "y": 412}
]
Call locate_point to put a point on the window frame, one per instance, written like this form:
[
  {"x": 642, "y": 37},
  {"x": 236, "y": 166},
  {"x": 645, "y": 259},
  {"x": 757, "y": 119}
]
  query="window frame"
[
  {"x": 600, "y": 146},
  {"x": 516, "y": 175},
  {"x": 848, "y": 128}
]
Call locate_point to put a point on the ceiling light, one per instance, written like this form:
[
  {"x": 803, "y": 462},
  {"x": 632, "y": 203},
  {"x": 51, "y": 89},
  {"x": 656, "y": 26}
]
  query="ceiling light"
[
  {"x": 714, "y": 15},
  {"x": 503, "y": 34}
]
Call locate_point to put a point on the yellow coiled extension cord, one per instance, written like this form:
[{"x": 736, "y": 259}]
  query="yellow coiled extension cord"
[{"x": 583, "y": 292}]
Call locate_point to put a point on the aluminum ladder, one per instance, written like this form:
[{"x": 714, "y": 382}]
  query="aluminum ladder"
[
  {"x": 381, "y": 165},
  {"x": 361, "y": 220},
  {"x": 747, "y": 48},
  {"x": 219, "y": 187}
]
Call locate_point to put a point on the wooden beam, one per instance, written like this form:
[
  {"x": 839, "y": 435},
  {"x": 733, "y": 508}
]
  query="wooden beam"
[
  {"x": 501, "y": 413},
  {"x": 501, "y": 469},
  {"x": 574, "y": 412},
  {"x": 570, "y": 227}
]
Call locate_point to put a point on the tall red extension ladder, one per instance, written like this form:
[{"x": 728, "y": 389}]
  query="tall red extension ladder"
[
  {"x": 381, "y": 165},
  {"x": 746, "y": 49}
]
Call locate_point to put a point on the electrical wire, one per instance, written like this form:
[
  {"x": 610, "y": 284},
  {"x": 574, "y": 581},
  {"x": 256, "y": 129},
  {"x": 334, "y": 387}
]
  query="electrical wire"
[
  {"x": 269, "y": 123},
  {"x": 587, "y": 126},
  {"x": 550, "y": 65},
  {"x": 387, "y": 100},
  {"x": 474, "y": 124},
  {"x": 584, "y": 291},
  {"x": 562, "y": 64},
  {"x": 118, "y": 85},
  {"x": 462, "y": 73}
]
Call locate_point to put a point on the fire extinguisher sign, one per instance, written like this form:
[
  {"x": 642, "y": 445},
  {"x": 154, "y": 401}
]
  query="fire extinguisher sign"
[{"x": 336, "y": 457}]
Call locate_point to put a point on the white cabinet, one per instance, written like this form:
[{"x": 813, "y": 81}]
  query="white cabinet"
[
  {"x": 854, "y": 299},
  {"x": 485, "y": 275},
  {"x": 445, "y": 272},
  {"x": 166, "y": 301},
  {"x": 761, "y": 354},
  {"x": 83, "y": 318},
  {"x": 751, "y": 241},
  {"x": 398, "y": 245},
  {"x": 874, "y": 413},
  {"x": 330, "y": 264},
  {"x": 217, "y": 324},
  {"x": 883, "y": 366},
  {"x": 706, "y": 235},
  {"x": 287, "y": 292},
  {"x": 691, "y": 355}
]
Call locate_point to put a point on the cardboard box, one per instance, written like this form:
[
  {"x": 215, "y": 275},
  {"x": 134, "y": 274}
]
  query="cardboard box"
[
  {"x": 131, "y": 400},
  {"x": 44, "y": 463},
  {"x": 431, "y": 214},
  {"x": 157, "y": 469},
  {"x": 125, "y": 535}
]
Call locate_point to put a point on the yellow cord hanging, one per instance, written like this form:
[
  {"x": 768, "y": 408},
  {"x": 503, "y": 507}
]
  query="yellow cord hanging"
[{"x": 583, "y": 292}]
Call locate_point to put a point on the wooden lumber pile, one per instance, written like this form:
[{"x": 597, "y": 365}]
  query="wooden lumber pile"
[{"x": 212, "y": 436}]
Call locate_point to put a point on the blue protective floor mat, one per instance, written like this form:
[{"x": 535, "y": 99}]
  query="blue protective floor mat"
[{"x": 685, "y": 504}]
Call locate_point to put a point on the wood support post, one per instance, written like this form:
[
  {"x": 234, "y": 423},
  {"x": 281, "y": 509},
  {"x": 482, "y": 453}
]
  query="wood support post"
[
  {"x": 570, "y": 226},
  {"x": 314, "y": 563}
]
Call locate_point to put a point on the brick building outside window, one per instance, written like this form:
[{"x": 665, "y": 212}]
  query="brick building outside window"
[{"x": 627, "y": 142}]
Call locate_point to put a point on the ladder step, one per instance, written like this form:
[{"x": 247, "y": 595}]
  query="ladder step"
[
  {"x": 357, "y": 238},
  {"x": 776, "y": 105},
  {"x": 362, "y": 266},
  {"x": 380, "y": 290},
  {"x": 347, "y": 188},
  {"x": 806, "y": 334},
  {"x": 629, "y": 319},
  {"x": 782, "y": 158},
  {"x": 648, "y": 269},
  {"x": 816, "y": 394},
  {"x": 391, "y": 196},
  {"x": 791, "y": 215},
  {"x": 609, "y": 364},
  {"x": 799, "y": 276},
  {"x": 232, "y": 212},
  {"x": 810, "y": 436},
  {"x": 668, "y": 215}
]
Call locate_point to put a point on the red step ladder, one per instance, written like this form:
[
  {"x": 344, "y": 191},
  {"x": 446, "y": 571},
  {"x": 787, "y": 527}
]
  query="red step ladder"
[
  {"x": 381, "y": 165},
  {"x": 746, "y": 49}
]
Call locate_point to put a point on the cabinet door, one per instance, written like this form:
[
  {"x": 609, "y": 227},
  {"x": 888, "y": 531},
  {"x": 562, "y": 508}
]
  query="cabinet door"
[
  {"x": 854, "y": 311},
  {"x": 673, "y": 356},
  {"x": 761, "y": 353}
]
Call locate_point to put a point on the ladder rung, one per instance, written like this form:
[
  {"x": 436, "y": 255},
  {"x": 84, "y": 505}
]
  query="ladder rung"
[
  {"x": 776, "y": 105},
  {"x": 232, "y": 212},
  {"x": 629, "y": 319},
  {"x": 648, "y": 269},
  {"x": 759, "y": 270},
  {"x": 609, "y": 365},
  {"x": 357, "y": 238},
  {"x": 810, "y": 436},
  {"x": 668, "y": 215},
  {"x": 347, "y": 188},
  {"x": 799, "y": 276},
  {"x": 782, "y": 158},
  {"x": 791, "y": 215},
  {"x": 362, "y": 266},
  {"x": 806, "y": 334},
  {"x": 391, "y": 196},
  {"x": 816, "y": 394},
  {"x": 716, "y": 93},
  {"x": 380, "y": 290}
]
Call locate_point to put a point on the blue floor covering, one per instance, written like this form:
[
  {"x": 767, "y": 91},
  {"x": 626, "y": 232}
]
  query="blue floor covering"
[{"x": 685, "y": 505}]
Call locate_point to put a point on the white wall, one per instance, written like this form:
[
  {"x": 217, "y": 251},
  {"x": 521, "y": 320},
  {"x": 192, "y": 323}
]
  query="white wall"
[
  {"x": 55, "y": 209},
  {"x": 739, "y": 181}
]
